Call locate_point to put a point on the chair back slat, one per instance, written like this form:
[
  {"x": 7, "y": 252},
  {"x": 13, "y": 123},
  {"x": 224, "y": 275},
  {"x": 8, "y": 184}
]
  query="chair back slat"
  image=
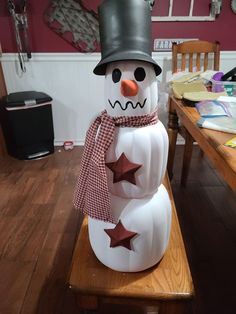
[
  {"x": 191, "y": 62},
  {"x": 217, "y": 57},
  {"x": 198, "y": 62},
  {"x": 183, "y": 62},
  {"x": 205, "y": 65},
  {"x": 196, "y": 54}
]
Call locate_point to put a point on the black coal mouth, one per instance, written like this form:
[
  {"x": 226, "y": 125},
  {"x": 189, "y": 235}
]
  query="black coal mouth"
[{"x": 128, "y": 103}]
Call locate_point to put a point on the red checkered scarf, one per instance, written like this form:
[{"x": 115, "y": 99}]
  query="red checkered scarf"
[{"x": 92, "y": 195}]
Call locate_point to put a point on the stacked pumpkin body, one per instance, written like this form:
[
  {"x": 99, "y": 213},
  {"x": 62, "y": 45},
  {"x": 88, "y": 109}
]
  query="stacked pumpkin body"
[{"x": 140, "y": 203}]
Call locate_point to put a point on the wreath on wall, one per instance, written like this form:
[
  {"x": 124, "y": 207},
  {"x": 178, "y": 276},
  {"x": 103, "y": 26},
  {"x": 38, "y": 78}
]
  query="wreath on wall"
[{"x": 74, "y": 23}]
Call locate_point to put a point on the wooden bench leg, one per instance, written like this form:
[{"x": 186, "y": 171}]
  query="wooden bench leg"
[{"x": 188, "y": 149}]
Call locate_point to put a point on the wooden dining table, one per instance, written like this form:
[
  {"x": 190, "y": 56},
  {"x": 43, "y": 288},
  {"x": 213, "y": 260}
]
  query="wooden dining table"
[
  {"x": 168, "y": 285},
  {"x": 211, "y": 142}
]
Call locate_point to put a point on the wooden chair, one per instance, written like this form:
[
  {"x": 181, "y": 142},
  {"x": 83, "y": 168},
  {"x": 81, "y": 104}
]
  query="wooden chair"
[{"x": 195, "y": 55}]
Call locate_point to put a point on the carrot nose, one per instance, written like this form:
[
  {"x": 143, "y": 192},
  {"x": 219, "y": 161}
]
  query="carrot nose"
[{"x": 129, "y": 88}]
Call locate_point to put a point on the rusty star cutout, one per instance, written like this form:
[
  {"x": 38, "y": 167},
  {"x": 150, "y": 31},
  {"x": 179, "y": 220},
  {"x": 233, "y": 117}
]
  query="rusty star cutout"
[
  {"x": 120, "y": 236},
  {"x": 123, "y": 169}
]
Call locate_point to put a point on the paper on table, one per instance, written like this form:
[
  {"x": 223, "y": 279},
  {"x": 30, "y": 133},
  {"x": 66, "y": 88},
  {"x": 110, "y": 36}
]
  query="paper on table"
[
  {"x": 225, "y": 124},
  {"x": 231, "y": 143},
  {"x": 231, "y": 101},
  {"x": 213, "y": 108}
]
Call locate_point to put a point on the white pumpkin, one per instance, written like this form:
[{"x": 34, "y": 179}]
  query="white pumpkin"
[
  {"x": 141, "y": 74},
  {"x": 149, "y": 217},
  {"x": 147, "y": 146}
]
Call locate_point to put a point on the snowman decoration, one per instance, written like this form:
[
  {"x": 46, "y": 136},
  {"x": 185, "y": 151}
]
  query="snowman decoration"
[{"x": 125, "y": 155}]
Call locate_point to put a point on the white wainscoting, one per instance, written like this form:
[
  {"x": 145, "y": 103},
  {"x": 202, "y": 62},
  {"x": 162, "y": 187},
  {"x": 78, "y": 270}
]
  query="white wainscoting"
[{"x": 78, "y": 94}]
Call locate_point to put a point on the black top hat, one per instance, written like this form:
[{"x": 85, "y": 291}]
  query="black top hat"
[{"x": 125, "y": 33}]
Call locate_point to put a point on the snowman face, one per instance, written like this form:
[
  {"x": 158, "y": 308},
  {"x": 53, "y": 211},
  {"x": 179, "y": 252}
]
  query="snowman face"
[{"x": 130, "y": 88}]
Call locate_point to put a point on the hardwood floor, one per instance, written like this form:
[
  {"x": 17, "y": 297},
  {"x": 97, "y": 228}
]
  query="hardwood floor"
[
  {"x": 207, "y": 214},
  {"x": 38, "y": 227}
]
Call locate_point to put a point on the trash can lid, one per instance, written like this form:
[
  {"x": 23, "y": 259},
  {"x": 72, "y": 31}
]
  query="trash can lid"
[{"x": 23, "y": 98}]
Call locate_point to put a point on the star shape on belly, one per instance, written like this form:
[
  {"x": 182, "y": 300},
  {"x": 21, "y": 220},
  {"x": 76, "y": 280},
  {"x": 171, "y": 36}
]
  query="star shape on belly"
[
  {"x": 120, "y": 236},
  {"x": 123, "y": 169}
]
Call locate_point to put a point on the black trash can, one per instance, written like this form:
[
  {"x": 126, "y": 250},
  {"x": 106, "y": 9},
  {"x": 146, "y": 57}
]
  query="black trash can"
[{"x": 27, "y": 124}]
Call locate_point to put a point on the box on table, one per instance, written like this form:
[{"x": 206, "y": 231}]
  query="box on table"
[{"x": 221, "y": 86}]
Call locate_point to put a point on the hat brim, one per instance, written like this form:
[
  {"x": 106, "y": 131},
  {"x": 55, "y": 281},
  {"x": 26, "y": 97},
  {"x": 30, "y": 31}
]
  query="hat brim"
[{"x": 100, "y": 68}]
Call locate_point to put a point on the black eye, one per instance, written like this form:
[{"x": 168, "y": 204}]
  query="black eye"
[
  {"x": 139, "y": 74},
  {"x": 116, "y": 75}
]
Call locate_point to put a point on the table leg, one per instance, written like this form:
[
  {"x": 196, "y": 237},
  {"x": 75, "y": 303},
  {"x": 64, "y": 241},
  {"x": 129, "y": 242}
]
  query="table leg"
[
  {"x": 173, "y": 127},
  {"x": 151, "y": 310},
  {"x": 188, "y": 149},
  {"x": 88, "y": 304},
  {"x": 177, "y": 307}
]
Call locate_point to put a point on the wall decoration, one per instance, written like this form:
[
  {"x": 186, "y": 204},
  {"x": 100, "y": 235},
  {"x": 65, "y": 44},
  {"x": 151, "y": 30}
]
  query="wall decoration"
[
  {"x": 18, "y": 13},
  {"x": 75, "y": 23}
]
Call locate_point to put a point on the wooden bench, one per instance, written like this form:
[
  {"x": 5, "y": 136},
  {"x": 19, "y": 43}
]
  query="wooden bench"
[{"x": 168, "y": 285}]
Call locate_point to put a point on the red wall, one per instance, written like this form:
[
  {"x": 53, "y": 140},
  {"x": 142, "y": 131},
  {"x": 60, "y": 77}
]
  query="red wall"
[{"x": 45, "y": 40}]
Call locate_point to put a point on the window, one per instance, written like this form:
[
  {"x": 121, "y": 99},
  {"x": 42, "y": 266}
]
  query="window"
[{"x": 186, "y": 10}]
